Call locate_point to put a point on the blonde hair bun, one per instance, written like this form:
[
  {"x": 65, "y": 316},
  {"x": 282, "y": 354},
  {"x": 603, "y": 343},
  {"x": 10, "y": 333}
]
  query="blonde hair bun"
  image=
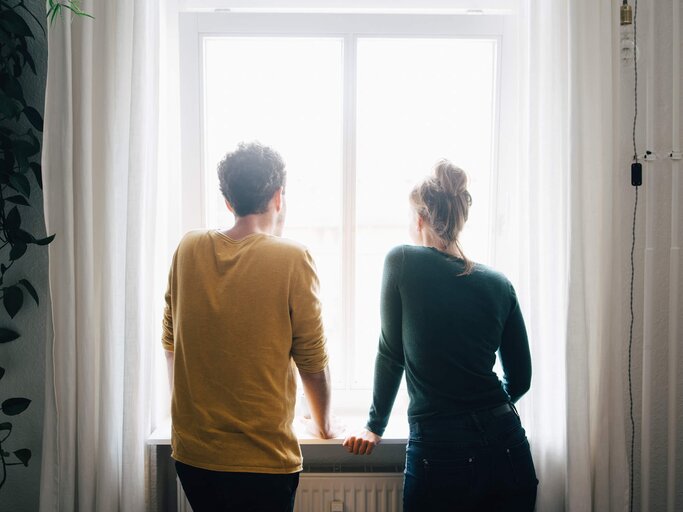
[
  {"x": 443, "y": 200},
  {"x": 451, "y": 178}
]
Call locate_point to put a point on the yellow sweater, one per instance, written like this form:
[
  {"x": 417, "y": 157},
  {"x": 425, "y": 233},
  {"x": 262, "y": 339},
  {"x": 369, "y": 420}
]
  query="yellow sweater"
[{"x": 237, "y": 313}]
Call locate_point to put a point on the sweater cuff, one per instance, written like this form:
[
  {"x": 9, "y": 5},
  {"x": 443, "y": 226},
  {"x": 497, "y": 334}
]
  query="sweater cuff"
[{"x": 375, "y": 427}]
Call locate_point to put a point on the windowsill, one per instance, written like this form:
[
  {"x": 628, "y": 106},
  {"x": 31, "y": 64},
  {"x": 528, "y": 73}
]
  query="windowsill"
[{"x": 396, "y": 432}]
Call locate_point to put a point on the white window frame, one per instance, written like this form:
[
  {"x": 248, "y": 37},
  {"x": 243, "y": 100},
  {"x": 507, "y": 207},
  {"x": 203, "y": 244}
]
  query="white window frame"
[{"x": 196, "y": 26}]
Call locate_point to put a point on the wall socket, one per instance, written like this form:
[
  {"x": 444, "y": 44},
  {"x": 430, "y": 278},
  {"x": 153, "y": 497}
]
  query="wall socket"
[{"x": 337, "y": 506}]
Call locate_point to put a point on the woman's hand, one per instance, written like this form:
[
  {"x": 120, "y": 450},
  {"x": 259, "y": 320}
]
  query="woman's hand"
[{"x": 363, "y": 443}]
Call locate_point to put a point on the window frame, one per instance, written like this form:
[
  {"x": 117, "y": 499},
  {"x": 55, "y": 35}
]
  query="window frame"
[{"x": 196, "y": 26}]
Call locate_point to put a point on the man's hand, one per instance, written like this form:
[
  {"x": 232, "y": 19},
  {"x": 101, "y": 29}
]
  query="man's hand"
[
  {"x": 335, "y": 430},
  {"x": 362, "y": 443}
]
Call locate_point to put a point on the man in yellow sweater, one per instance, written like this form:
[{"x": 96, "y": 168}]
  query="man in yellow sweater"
[{"x": 242, "y": 311}]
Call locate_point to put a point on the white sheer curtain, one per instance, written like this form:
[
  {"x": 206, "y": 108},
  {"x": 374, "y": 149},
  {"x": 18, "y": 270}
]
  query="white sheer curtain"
[
  {"x": 597, "y": 466},
  {"x": 532, "y": 249},
  {"x": 99, "y": 161},
  {"x": 561, "y": 251}
]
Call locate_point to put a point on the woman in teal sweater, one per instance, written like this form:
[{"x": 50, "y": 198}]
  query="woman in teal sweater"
[{"x": 443, "y": 319}]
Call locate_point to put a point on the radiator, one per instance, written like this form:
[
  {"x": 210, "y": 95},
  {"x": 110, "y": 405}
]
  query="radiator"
[{"x": 340, "y": 492}]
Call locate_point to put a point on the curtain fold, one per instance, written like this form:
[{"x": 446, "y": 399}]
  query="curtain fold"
[
  {"x": 566, "y": 248},
  {"x": 597, "y": 468},
  {"x": 540, "y": 241},
  {"x": 99, "y": 164}
]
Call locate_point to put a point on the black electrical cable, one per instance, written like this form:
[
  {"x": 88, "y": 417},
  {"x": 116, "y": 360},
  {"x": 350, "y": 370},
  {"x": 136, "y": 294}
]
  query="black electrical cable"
[
  {"x": 630, "y": 344},
  {"x": 633, "y": 247}
]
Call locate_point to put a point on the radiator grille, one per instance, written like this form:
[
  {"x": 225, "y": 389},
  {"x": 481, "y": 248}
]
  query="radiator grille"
[
  {"x": 348, "y": 492},
  {"x": 355, "y": 492}
]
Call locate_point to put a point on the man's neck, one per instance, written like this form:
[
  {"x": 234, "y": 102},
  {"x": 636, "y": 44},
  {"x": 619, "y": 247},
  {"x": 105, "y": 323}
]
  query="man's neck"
[{"x": 251, "y": 225}]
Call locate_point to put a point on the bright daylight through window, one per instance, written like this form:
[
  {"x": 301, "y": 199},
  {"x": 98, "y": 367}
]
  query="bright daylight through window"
[{"x": 359, "y": 119}]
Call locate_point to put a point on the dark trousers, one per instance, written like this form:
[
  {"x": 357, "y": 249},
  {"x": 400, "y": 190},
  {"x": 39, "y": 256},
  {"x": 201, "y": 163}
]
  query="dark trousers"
[
  {"x": 218, "y": 491},
  {"x": 472, "y": 462}
]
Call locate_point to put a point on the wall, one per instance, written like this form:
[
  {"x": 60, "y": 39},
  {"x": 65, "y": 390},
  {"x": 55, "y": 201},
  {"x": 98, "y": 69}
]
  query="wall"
[
  {"x": 24, "y": 359},
  {"x": 652, "y": 364}
]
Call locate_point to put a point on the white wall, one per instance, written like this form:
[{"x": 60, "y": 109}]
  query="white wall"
[{"x": 652, "y": 283}]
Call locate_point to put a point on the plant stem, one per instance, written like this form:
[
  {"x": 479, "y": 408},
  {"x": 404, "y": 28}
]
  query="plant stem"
[{"x": 4, "y": 467}]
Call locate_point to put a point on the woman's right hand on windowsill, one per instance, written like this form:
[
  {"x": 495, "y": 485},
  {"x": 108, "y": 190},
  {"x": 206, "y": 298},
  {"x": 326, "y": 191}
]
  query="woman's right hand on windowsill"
[{"x": 362, "y": 443}]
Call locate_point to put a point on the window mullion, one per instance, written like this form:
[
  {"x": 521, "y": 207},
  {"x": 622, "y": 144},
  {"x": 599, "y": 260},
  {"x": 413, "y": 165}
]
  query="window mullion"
[{"x": 349, "y": 206}]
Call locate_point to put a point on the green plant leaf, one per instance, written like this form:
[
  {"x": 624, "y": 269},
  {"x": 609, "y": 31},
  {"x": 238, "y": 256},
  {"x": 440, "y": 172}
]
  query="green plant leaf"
[
  {"x": 15, "y": 24},
  {"x": 2, "y": 374},
  {"x": 74, "y": 7},
  {"x": 5, "y": 430},
  {"x": 30, "y": 289},
  {"x": 13, "y": 219},
  {"x": 7, "y": 335},
  {"x": 17, "y": 200},
  {"x": 14, "y": 406},
  {"x": 22, "y": 236},
  {"x": 45, "y": 241},
  {"x": 5, "y": 36},
  {"x": 20, "y": 183},
  {"x": 7, "y": 163},
  {"x": 8, "y": 107},
  {"x": 28, "y": 59},
  {"x": 22, "y": 162},
  {"x": 38, "y": 173},
  {"x": 13, "y": 89},
  {"x": 52, "y": 13},
  {"x": 25, "y": 148},
  {"x": 16, "y": 71},
  {"x": 24, "y": 455},
  {"x": 17, "y": 251},
  {"x": 34, "y": 118},
  {"x": 13, "y": 299}
]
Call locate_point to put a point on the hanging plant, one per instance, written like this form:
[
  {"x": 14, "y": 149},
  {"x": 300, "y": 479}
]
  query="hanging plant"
[{"x": 21, "y": 127}]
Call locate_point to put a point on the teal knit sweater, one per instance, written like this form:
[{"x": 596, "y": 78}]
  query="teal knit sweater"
[{"x": 444, "y": 330}]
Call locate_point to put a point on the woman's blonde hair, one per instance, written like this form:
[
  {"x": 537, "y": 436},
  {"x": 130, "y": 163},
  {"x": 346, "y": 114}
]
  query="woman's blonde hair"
[{"x": 442, "y": 200}]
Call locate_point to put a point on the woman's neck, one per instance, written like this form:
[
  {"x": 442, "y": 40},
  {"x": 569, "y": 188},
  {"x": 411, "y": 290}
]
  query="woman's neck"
[{"x": 429, "y": 239}]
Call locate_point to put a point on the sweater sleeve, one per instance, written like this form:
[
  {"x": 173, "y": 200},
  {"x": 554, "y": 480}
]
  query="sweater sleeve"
[
  {"x": 309, "y": 347},
  {"x": 389, "y": 364},
  {"x": 514, "y": 353}
]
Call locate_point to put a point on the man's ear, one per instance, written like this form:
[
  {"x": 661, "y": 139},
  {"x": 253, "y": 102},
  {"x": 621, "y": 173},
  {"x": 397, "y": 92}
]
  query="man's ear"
[
  {"x": 230, "y": 208},
  {"x": 277, "y": 197}
]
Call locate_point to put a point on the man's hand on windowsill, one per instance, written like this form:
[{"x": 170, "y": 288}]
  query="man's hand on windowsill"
[{"x": 335, "y": 430}]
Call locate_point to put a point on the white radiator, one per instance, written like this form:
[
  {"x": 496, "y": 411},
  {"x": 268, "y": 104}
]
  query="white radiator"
[{"x": 340, "y": 492}]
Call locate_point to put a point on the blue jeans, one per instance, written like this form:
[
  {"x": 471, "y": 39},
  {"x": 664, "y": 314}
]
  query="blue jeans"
[
  {"x": 217, "y": 491},
  {"x": 476, "y": 461}
]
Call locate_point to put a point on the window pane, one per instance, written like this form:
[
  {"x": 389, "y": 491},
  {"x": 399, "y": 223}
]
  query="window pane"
[
  {"x": 287, "y": 93},
  {"x": 418, "y": 100}
]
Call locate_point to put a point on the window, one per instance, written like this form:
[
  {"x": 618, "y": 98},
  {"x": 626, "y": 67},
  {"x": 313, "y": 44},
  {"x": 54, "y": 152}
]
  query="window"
[{"x": 360, "y": 107}]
